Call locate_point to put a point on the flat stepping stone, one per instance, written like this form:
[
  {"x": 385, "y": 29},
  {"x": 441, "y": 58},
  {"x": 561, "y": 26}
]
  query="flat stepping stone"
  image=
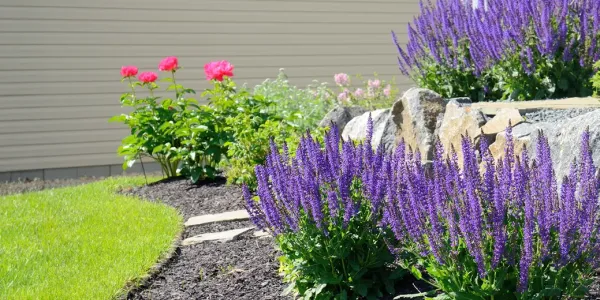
[
  {"x": 261, "y": 234},
  {"x": 223, "y": 236},
  {"x": 226, "y": 216}
]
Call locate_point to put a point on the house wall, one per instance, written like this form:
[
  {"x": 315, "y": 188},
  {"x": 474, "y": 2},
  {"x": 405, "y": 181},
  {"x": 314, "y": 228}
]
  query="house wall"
[{"x": 60, "y": 61}]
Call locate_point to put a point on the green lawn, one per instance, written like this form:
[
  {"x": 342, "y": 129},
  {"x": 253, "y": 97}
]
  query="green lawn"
[{"x": 82, "y": 242}]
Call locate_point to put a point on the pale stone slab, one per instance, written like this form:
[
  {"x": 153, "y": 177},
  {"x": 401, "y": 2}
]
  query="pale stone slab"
[
  {"x": 503, "y": 117},
  {"x": 226, "y": 216},
  {"x": 223, "y": 236},
  {"x": 261, "y": 234}
]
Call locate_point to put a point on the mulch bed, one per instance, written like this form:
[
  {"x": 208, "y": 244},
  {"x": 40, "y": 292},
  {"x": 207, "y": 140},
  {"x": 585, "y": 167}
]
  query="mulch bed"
[{"x": 246, "y": 268}]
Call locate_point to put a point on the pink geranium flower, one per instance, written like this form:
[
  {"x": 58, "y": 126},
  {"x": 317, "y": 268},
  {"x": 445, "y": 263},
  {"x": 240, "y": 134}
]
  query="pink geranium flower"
[
  {"x": 341, "y": 79},
  {"x": 169, "y": 64},
  {"x": 147, "y": 77},
  {"x": 374, "y": 83},
  {"x": 216, "y": 70},
  {"x": 359, "y": 93},
  {"x": 387, "y": 91},
  {"x": 129, "y": 71}
]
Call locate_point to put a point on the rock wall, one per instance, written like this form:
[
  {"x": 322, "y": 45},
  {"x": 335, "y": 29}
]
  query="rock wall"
[{"x": 421, "y": 116}]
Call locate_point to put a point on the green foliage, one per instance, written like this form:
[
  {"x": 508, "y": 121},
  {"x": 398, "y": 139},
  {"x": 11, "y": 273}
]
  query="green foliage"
[
  {"x": 183, "y": 137},
  {"x": 552, "y": 78},
  {"x": 596, "y": 79},
  {"x": 301, "y": 108},
  {"x": 351, "y": 262},
  {"x": 275, "y": 110},
  {"x": 454, "y": 82},
  {"x": 459, "y": 279}
]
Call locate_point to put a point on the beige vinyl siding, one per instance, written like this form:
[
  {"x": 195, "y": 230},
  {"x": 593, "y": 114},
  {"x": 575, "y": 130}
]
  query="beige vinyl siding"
[{"x": 60, "y": 60}]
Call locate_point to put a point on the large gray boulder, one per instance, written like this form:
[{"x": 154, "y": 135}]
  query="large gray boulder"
[
  {"x": 564, "y": 138},
  {"x": 341, "y": 115},
  {"x": 356, "y": 129},
  {"x": 413, "y": 119},
  {"x": 460, "y": 119}
]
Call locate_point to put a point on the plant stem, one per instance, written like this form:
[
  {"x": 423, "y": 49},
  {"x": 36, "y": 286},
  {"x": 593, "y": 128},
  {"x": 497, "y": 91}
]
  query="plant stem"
[
  {"x": 175, "y": 84},
  {"x": 132, "y": 88},
  {"x": 143, "y": 169}
]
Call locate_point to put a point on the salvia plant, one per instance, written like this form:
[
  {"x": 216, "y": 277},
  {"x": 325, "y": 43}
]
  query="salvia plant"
[
  {"x": 503, "y": 49},
  {"x": 323, "y": 206},
  {"x": 509, "y": 231}
]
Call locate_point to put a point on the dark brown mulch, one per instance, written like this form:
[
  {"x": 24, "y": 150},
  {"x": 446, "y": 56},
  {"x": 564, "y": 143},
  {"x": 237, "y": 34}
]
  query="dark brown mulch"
[
  {"x": 246, "y": 268},
  {"x": 242, "y": 269}
]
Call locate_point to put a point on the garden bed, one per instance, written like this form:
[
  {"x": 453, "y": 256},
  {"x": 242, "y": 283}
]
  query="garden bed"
[{"x": 246, "y": 268}]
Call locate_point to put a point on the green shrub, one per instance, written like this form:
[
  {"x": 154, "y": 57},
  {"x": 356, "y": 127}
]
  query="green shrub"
[
  {"x": 596, "y": 79},
  {"x": 274, "y": 110},
  {"x": 250, "y": 122},
  {"x": 180, "y": 135},
  {"x": 302, "y": 108}
]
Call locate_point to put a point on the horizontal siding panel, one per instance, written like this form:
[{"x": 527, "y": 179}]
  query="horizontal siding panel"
[
  {"x": 262, "y": 6},
  {"x": 88, "y": 66},
  {"x": 65, "y": 161},
  {"x": 192, "y": 27},
  {"x": 51, "y": 113},
  {"x": 37, "y": 101},
  {"x": 228, "y": 15},
  {"x": 16, "y": 152},
  {"x": 186, "y": 75},
  {"x": 159, "y": 50},
  {"x": 33, "y": 126},
  {"x": 35, "y": 38},
  {"x": 62, "y": 137}
]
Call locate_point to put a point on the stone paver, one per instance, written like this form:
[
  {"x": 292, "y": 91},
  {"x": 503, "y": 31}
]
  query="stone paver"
[
  {"x": 261, "y": 234},
  {"x": 226, "y": 216},
  {"x": 223, "y": 236}
]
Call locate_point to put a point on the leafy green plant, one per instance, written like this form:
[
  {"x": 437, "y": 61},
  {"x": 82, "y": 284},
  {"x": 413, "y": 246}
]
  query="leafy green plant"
[
  {"x": 180, "y": 135},
  {"x": 274, "y": 110},
  {"x": 596, "y": 79},
  {"x": 301, "y": 108}
]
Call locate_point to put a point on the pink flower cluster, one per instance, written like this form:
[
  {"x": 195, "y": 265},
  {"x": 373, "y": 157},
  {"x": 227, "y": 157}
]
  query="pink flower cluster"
[
  {"x": 216, "y": 70},
  {"x": 341, "y": 79}
]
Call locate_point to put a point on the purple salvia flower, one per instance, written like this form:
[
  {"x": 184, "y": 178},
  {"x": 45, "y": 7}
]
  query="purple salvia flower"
[
  {"x": 256, "y": 215},
  {"x": 527, "y": 251}
]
